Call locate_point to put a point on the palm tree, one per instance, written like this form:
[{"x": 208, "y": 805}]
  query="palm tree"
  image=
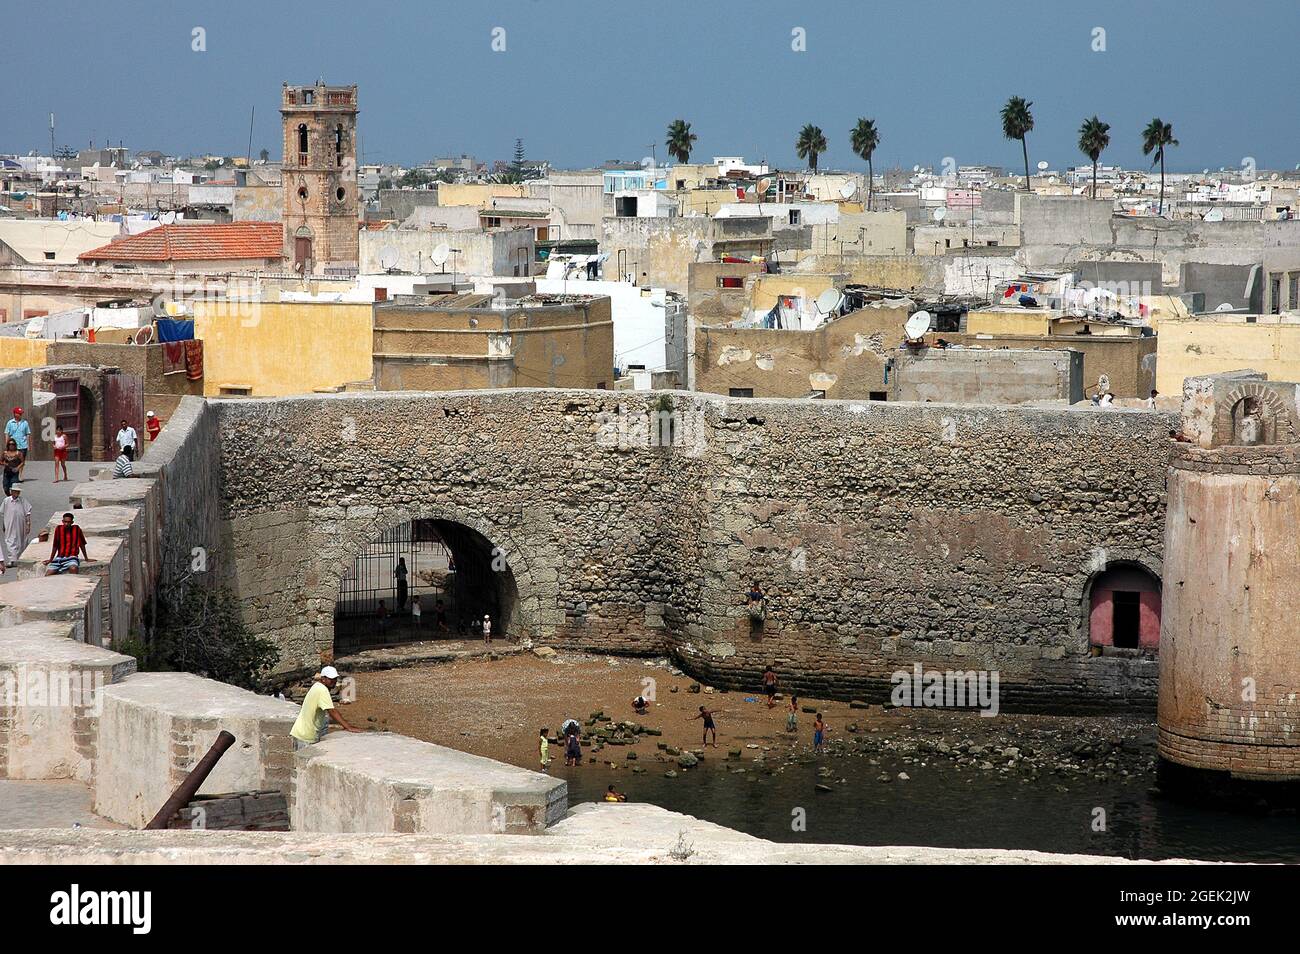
[
  {"x": 1018, "y": 122},
  {"x": 810, "y": 144},
  {"x": 680, "y": 140},
  {"x": 864, "y": 139},
  {"x": 1155, "y": 137},
  {"x": 1094, "y": 136}
]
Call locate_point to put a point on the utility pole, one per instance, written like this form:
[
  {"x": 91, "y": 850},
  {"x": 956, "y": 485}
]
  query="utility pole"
[
  {"x": 248, "y": 156},
  {"x": 52, "y": 160}
]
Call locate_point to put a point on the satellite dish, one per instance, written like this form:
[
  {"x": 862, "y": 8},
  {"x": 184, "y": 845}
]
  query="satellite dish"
[
  {"x": 764, "y": 185},
  {"x": 1214, "y": 215},
  {"x": 940, "y": 214},
  {"x": 167, "y": 218},
  {"x": 440, "y": 254},
  {"x": 829, "y": 300},
  {"x": 749, "y": 190},
  {"x": 387, "y": 258},
  {"x": 916, "y": 168},
  {"x": 1226, "y": 306},
  {"x": 848, "y": 190},
  {"x": 1042, "y": 165},
  {"x": 1205, "y": 172},
  {"x": 144, "y": 335},
  {"x": 916, "y": 326}
]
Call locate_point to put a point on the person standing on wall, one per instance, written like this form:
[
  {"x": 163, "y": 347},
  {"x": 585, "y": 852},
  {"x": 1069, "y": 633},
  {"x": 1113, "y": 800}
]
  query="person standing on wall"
[
  {"x": 400, "y": 573},
  {"x": 127, "y": 437},
  {"x": 20, "y": 432},
  {"x": 152, "y": 425}
]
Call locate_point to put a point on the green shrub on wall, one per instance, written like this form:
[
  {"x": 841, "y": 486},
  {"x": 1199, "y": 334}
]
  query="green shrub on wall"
[{"x": 198, "y": 629}]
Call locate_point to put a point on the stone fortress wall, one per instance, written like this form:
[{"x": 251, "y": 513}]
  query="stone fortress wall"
[
  {"x": 882, "y": 534},
  {"x": 884, "y": 508},
  {"x": 72, "y": 708}
]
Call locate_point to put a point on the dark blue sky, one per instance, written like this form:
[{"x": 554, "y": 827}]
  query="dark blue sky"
[{"x": 582, "y": 81}]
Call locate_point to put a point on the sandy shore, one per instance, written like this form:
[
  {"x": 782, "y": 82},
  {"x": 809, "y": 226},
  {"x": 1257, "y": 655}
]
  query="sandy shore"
[{"x": 496, "y": 707}]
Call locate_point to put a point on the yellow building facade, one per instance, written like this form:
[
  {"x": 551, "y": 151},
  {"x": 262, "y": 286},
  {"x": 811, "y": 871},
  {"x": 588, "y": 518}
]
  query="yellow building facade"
[
  {"x": 272, "y": 349},
  {"x": 1191, "y": 347}
]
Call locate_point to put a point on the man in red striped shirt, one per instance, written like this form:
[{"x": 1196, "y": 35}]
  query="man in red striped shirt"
[{"x": 69, "y": 541}]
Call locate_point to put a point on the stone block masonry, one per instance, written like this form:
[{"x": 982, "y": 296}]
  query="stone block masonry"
[
  {"x": 49, "y": 700},
  {"x": 108, "y": 563},
  {"x": 881, "y": 534},
  {"x": 71, "y": 599},
  {"x": 390, "y": 783},
  {"x": 155, "y": 727}
]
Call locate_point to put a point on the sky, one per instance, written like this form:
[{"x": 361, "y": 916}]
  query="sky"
[{"x": 584, "y": 81}]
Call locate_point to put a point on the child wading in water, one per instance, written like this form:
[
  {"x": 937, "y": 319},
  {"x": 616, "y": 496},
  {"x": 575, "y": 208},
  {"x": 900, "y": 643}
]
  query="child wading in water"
[
  {"x": 707, "y": 715},
  {"x": 543, "y": 748},
  {"x": 572, "y": 749}
]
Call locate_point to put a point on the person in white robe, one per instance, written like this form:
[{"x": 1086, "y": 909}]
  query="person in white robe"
[{"x": 15, "y": 525}]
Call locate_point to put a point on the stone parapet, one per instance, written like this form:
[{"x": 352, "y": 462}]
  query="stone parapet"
[
  {"x": 368, "y": 782},
  {"x": 156, "y": 726},
  {"x": 50, "y": 699}
]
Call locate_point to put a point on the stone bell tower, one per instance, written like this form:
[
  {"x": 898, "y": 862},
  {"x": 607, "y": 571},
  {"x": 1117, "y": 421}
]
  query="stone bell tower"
[
  {"x": 1229, "y": 711},
  {"x": 319, "y": 176}
]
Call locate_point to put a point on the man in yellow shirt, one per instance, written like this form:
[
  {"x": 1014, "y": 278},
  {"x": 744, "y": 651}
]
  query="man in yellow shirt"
[{"x": 318, "y": 711}]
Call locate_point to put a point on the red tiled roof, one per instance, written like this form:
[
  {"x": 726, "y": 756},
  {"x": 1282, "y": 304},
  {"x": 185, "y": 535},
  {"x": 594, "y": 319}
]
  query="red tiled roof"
[{"x": 206, "y": 240}]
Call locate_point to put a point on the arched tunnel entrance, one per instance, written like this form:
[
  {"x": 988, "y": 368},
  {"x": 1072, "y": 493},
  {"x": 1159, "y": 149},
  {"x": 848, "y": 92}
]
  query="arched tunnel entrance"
[
  {"x": 1124, "y": 608},
  {"x": 455, "y": 573}
]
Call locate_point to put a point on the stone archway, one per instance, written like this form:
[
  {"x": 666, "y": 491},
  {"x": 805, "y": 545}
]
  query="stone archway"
[
  {"x": 1122, "y": 607},
  {"x": 1254, "y": 414},
  {"x": 1079, "y": 592},
  {"x": 486, "y": 555}
]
